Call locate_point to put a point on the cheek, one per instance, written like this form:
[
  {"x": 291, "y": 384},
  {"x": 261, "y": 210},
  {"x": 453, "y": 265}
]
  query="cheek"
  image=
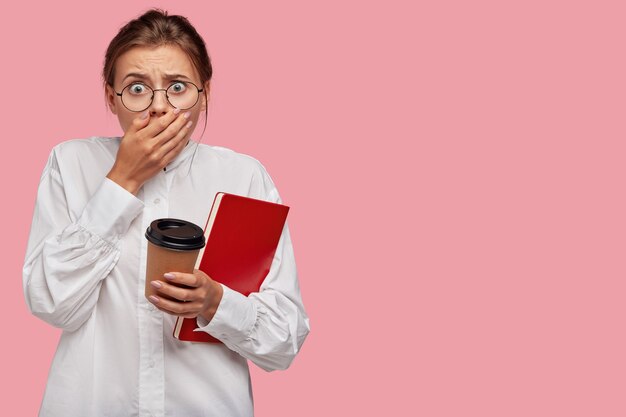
[
  {"x": 126, "y": 121},
  {"x": 199, "y": 114}
]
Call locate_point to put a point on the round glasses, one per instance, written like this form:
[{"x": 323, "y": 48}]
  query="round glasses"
[{"x": 138, "y": 96}]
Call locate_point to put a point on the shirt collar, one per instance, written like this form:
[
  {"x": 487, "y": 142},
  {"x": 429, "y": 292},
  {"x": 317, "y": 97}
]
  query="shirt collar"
[{"x": 184, "y": 155}]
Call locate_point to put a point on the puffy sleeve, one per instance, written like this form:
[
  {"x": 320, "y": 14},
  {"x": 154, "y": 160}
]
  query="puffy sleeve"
[
  {"x": 67, "y": 258},
  {"x": 267, "y": 327}
]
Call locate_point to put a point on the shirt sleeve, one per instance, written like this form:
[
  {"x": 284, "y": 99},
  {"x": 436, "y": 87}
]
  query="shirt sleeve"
[
  {"x": 267, "y": 327},
  {"x": 66, "y": 260}
]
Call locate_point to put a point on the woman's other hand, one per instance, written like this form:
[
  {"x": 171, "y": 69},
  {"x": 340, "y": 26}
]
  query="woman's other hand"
[
  {"x": 200, "y": 297},
  {"x": 148, "y": 146}
]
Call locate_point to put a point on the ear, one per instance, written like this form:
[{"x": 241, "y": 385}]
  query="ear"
[
  {"x": 110, "y": 98},
  {"x": 207, "y": 88}
]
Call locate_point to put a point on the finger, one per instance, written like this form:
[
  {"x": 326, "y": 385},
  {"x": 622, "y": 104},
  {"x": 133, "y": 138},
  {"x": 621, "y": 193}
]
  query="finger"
[
  {"x": 175, "y": 308},
  {"x": 190, "y": 315},
  {"x": 140, "y": 121},
  {"x": 191, "y": 280},
  {"x": 173, "y": 147},
  {"x": 160, "y": 124},
  {"x": 174, "y": 291},
  {"x": 172, "y": 128}
]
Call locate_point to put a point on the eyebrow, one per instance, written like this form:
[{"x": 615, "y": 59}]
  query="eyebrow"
[{"x": 144, "y": 77}]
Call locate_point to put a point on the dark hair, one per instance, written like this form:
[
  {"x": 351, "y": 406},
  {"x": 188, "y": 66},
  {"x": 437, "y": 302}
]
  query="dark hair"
[{"x": 155, "y": 28}]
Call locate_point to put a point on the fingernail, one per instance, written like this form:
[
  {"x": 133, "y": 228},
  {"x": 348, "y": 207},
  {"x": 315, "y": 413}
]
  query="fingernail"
[
  {"x": 144, "y": 115},
  {"x": 176, "y": 110},
  {"x": 187, "y": 114},
  {"x": 153, "y": 299},
  {"x": 189, "y": 123},
  {"x": 156, "y": 284},
  {"x": 167, "y": 275}
]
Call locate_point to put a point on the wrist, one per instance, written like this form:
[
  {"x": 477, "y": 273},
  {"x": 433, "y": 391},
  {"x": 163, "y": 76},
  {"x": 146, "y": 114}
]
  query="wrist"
[
  {"x": 214, "y": 301},
  {"x": 131, "y": 186}
]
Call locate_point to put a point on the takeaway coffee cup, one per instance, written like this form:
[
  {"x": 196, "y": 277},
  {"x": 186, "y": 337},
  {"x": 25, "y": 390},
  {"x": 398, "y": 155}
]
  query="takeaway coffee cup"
[{"x": 173, "y": 246}]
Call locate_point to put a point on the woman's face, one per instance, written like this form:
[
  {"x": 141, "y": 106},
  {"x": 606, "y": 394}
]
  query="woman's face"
[{"x": 153, "y": 65}]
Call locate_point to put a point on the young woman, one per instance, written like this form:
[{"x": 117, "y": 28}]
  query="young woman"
[{"x": 84, "y": 269}]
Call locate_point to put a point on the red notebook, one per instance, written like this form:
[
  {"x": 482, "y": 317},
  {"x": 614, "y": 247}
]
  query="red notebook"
[{"x": 242, "y": 235}]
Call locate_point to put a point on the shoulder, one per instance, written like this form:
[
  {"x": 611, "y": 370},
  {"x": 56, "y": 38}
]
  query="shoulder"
[
  {"x": 228, "y": 156},
  {"x": 228, "y": 160},
  {"x": 74, "y": 158},
  {"x": 85, "y": 148},
  {"x": 241, "y": 165}
]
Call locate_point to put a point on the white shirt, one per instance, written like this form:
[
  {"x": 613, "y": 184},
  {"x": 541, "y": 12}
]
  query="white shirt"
[{"x": 84, "y": 272}]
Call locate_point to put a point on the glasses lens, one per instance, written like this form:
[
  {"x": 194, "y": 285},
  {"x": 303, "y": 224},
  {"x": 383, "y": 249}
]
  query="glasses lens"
[
  {"x": 182, "y": 95},
  {"x": 137, "y": 96}
]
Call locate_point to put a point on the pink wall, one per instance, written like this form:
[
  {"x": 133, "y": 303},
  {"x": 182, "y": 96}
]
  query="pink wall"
[{"x": 456, "y": 177}]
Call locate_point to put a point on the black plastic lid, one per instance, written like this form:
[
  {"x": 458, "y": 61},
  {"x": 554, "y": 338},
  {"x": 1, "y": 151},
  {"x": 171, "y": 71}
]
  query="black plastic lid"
[{"x": 175, "y": 234}]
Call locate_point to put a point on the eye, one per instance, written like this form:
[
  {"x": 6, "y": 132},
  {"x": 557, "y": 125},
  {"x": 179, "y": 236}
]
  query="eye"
[
  {"x": 178, "y": 87},
  {"x": 137, "y": 88}
]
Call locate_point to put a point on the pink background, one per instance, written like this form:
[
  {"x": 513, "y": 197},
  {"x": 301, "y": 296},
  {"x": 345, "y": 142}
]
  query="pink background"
[{"x": 456, "y": 177}]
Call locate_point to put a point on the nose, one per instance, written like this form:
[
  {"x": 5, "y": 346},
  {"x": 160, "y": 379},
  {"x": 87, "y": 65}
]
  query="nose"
[{"x": 159, "y": 105}]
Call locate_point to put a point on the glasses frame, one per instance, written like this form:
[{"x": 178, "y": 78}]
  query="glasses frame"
[{"x": 167, "y": 97}]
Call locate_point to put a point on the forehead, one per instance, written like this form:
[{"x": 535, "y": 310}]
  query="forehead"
[{"x": 154, "y": 62}]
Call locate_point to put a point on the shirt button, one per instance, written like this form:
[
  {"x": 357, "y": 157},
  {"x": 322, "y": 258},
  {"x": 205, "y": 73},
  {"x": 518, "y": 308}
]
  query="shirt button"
[
  {"x": 157, "y": 200},
  {"x": 151, "y": 364}
]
